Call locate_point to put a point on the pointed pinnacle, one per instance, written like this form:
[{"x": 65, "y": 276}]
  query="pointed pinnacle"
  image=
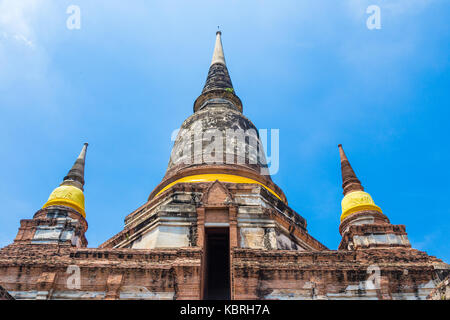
[
  {"x": 349, "y": 180},
  {"x": 75, "y": 177},
  {"x": 218, "y": 55}
]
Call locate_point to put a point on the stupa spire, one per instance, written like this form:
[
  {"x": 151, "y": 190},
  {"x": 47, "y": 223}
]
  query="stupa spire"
[
  {"x": 70, "y": 191},
  {"x": 218, "y": 76},
  {"x": 75, "y": 176},
  {"x": 218, "y": 87},
  {"x": 349, "y": 180},
  {"x": 218, "y": 56},
  {"x": 355, "y": 199}
]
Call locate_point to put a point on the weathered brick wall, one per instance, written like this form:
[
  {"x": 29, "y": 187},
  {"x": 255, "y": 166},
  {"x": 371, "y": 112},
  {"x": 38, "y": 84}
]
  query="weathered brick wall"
[
  {"x": 403, "y": 274},
  {"x": 44, "y": 271}
]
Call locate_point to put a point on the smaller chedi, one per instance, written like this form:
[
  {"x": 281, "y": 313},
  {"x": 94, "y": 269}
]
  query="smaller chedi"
[
  {"x": 215, "y": 230},
  {"x": 355, "y": 199},
  {"x": 62, "y": 219},
  {"x": 363, "y": 224},
  {"x": 70, "y": 192}
]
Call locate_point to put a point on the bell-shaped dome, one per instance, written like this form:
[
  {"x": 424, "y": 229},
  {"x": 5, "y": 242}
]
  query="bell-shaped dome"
[
  {"x": 68, "y": 196},
  {"x": 357, "y": 201},
  {"x": 218, "y": 134}
]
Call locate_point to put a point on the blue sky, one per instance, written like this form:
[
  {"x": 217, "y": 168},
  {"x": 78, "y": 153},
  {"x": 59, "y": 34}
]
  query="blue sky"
[{"x": 311, "y": 69}]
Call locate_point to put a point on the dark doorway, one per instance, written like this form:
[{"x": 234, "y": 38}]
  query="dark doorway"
[{"x": 217, "y": 280}]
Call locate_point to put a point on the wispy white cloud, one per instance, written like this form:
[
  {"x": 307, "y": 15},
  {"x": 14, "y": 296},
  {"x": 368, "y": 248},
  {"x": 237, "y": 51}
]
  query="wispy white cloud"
[
  {"x": 24, "y": 57},
  {"x": 16, "y": 23},
  {"x": 20, "y": 38},
  {"x": 16, "y": 19}
]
